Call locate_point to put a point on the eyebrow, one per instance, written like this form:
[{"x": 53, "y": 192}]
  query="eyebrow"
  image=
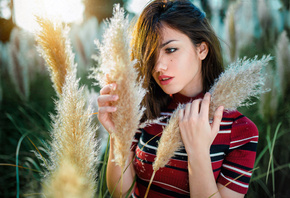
[{"x": 166, "y": 43}]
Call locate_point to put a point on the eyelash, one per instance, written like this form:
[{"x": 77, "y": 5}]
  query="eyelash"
[{"x": 169, "y": 50}]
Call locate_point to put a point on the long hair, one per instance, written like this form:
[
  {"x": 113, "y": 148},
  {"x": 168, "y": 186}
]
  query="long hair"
[{"x": 185, "y": 17}]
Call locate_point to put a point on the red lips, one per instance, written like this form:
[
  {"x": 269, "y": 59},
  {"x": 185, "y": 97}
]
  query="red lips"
[{"x": 164, "y": 80}]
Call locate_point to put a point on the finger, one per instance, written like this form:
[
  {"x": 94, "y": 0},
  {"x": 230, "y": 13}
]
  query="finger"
[
  {"x": 217, "y": 119},
  {"x": 107, "y": 109},
  {"x": 180, "y": 114},
  {"x": 187, "y": 110},
  {"x": 108, "y": 88},
  {"x": 195, "y": 107},
  {"x": 204, "y": 109},
  {"x": 104, "y": 99}
]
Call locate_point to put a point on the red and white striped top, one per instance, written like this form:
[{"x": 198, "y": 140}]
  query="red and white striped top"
[{"x": 232, "y": 154}]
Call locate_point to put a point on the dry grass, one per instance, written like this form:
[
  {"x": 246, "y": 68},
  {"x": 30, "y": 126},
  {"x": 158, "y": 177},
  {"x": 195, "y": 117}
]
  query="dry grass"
[
  {"x": 55, "y": 49},
  {"x": 283, "y": 62},
  {"x": 170, "y": 136},
  {"x": 115, "y": 61},
  {"x": 241, "y": 81},
  {"x": 71, "y": 167}
]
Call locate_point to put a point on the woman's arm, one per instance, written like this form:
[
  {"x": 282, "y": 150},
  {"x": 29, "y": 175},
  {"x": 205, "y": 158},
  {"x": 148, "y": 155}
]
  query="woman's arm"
[
  {"x": 114, "y": 174},
  {"x": 113, "y": 170},
  {"x": 197, "y": 135}
]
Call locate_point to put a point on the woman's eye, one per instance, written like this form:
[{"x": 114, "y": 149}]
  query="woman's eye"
[{"x": 170, "y": 50}]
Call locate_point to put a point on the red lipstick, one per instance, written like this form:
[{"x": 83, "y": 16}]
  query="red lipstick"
[{"x": 164, "y": 80}]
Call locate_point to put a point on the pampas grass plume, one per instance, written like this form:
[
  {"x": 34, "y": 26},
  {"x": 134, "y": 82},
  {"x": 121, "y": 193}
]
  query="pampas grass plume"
[
  {"x": 54, "y": 47},
  {"x": 115, "y": 61},
  {"x": 67, "y": 182},
  {"x": 170, "y": 136},
  {"x": 231, "y": 31},
  {"x": 71, "y": 167},
  {"x": 269, "y": 101},
  {"x": 283, "y": 62},
  {"x": 169, "y": 142},
  {"x": 241, "y": 81}
]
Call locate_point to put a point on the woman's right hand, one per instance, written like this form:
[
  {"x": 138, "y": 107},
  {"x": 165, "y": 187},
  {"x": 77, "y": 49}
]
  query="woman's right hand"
[{"x": 105, "y": 108}]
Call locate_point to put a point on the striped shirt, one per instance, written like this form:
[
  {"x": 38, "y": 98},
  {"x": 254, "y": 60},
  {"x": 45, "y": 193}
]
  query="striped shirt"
[{"x": 232, "y": 154}]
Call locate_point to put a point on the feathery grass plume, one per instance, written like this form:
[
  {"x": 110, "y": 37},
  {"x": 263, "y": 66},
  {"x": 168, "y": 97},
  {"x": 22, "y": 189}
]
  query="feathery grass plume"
[
  {"x": 241, "y": 81},
  {"x": 115, "y": 61},
  {"x": 268, "y": 25},
  {"x": 17, "y": 67},
  {"x": 55, "y": 48},
  {"x": 73, "y": 149},
  {"x": 67, "y": 182},
  {"x": 231, "y": 31},
  {"x": 268, "y": 105},
  {"x": 170, "y": 136},
  {"x": 283, "y": 62}
]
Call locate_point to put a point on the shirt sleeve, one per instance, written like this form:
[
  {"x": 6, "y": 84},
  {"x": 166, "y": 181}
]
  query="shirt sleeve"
[{"x": 239, "y": 161}]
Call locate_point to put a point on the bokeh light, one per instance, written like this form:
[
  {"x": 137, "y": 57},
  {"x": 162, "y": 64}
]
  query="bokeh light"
[{"x": 67, "y": 11}]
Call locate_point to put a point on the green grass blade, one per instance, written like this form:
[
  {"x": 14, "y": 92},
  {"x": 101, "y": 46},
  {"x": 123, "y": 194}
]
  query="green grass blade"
[
  {"x": 271, "y": 148},
  {"x": 17, "y": 158}
]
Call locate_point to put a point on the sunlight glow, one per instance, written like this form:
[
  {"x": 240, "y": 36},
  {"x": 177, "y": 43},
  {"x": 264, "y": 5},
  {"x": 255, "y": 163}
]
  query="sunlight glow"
[
  {"x": 66, "y": 10},
  {"x": 136, "y": 6}
]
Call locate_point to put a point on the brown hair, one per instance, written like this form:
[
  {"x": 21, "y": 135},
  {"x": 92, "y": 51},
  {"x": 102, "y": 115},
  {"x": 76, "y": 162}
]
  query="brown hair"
[{"x": 183, "y": 16}]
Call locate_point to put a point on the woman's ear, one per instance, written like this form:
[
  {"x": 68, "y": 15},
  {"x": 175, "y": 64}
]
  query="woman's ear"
[{"x": 202, "y": 50}]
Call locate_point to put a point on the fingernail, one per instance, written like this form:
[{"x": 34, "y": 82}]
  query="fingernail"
[
  {"x": 115, "y": 97},
  {"x": 113, "y": 87}
]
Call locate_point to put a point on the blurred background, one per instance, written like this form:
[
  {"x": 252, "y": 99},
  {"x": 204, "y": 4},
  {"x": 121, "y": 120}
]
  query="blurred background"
[{"x": 245, "y": 28}]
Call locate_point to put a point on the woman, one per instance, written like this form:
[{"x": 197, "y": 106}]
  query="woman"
[{"x": 180, "y": 58}]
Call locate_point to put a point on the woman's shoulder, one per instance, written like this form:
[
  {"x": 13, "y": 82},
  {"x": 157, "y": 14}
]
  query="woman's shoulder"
[{"x": 242, "y": 126}]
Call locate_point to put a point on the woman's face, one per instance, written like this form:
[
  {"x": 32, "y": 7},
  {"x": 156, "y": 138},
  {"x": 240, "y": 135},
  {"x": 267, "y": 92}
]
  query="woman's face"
[{"x": 178, "y": 66}]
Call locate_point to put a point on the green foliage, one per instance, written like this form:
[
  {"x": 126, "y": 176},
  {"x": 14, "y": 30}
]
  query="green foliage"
[{"x": 20, "y": 124}]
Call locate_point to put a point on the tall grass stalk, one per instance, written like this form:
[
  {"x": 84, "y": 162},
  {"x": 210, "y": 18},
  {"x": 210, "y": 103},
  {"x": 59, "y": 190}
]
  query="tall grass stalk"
[
  {"x": 271, "y": 149},
  {"x": 17, "y": 170},
  {"x": 282, "y": 51},
  {"x": 117, "y": 67},
  {"x": 17, "y": 68},
  {"x": 231, "y": 31},
  {"x": 71, "y": 167}
]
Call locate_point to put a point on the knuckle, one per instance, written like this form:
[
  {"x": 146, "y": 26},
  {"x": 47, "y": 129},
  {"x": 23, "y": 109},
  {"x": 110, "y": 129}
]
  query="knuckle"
[
  {"x": 193, "y": 120},
  {"x": 99, "y": 99},
  {"x": 102, "y": 91},
  {"x": 183, "y": 121},
  {"x": 101, "y": 110}
]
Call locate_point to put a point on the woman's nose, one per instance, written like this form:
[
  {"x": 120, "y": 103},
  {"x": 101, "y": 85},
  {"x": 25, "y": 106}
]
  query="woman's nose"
[{"x": 160, "y": 66}]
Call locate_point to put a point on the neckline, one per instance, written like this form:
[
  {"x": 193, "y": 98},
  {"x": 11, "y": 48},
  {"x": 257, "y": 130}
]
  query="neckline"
[{"x": 182, "y": 99}]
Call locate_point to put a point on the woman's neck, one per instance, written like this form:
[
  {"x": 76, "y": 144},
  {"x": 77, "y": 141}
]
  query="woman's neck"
[{"x": 191, "y": 92}]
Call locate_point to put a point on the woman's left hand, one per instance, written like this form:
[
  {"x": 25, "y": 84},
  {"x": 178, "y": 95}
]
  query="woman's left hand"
[{"x": 196, "y": 131}]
